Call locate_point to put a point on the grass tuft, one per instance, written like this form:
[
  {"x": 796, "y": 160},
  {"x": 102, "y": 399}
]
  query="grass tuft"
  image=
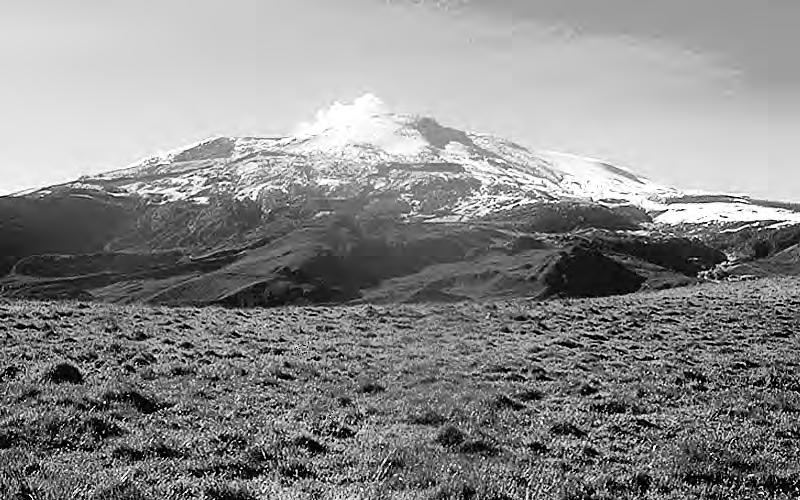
[
  {"x": 450, "y": 436},
  {"x": 310, "y": 444},
  {"x": 503, "y": 402},
  {"x": 132, "y": 396},
  {"x": 229, "y": 492},
  {"x": 60, "y": 373},
  {"x": 567, "y": 429},
  {"x": 427, "y": 417},
  {"x": 370, "y": 387},
  {"x": 124, "y": 490}
]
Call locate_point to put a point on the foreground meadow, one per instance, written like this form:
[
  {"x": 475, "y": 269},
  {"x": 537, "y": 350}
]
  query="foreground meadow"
[{"x": 686, "y": 393}]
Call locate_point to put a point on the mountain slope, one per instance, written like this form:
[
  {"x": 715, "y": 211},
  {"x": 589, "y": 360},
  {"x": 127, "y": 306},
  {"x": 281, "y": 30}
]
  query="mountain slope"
[
  {"x": 344, "y": 260},
  {"x": 248, "y": 219},
  {"x": 406, "y": 164}
]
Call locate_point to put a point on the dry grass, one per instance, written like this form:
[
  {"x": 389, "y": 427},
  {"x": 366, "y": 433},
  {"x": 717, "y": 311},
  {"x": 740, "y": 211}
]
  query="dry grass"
[{"x": 691, "y": 393}]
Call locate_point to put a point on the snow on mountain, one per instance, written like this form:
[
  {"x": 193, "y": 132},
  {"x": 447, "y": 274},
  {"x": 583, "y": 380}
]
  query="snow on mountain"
[
  {"x": 433, "y": 170},
  {"x": 720, "y": 212},
  {"x": 367, "y": 122}
]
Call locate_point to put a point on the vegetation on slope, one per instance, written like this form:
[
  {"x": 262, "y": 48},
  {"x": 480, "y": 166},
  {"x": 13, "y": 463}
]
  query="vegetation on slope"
[
  {"x": 342, "y": 258},
  {"x": 684, "y": 393}
]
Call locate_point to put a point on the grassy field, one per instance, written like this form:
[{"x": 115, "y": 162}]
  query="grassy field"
[{"x": 687, "y": 393}]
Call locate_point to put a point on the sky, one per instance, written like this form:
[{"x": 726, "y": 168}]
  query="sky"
[{"x": 698, "y": 94}]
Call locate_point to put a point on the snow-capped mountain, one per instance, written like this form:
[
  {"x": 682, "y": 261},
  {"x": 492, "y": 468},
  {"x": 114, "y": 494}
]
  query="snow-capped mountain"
[
  {"x": 427, "y": 169},
  {"x": 332, "y": 212}
]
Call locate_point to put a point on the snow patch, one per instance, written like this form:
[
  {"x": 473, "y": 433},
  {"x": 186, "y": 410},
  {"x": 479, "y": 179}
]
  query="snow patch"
[{"x": 703, "y": 213}]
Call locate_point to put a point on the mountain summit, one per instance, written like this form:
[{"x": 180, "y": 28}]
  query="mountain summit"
[
  {"x": 366, "y": 123},
  {"x": 427, "y": 169}
]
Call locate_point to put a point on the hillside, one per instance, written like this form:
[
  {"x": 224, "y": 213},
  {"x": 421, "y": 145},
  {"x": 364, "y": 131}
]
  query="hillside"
[
  {"x": 683, "y": 393},
  {"x": 343, "y": 259},
  {"x": 783, "y": 263}
]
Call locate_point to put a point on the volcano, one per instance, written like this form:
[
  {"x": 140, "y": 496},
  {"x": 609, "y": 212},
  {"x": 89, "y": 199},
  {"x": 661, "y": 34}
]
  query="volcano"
[{"x": 359, "y": 199}]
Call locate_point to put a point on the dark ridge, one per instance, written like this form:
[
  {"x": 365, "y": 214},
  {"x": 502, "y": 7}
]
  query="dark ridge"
[
  {"x": 708, "y": 198},
  {"x": 582, "y": 271},
  {"x": 621, "y": 172},
  {"x": 684, "y": 255},
  {"x": 777, "y": 204},
  {"x": 453, "y": 168},
  {"x": 221, "y": 147},
  {"x": 563, "y": 217}
]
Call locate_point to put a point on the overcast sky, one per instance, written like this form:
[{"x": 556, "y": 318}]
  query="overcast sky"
[{"x": 693, "y": 93}]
